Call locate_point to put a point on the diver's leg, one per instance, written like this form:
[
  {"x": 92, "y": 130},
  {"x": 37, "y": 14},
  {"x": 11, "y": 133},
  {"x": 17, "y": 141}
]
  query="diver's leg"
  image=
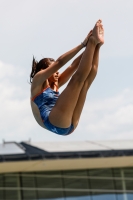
[
  {"x": 62, "y": 113},
  {"x": 81, "y": 100}
]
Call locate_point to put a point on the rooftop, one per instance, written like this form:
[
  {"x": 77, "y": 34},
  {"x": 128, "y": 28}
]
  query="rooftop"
[{"x": 94, "y": 154}]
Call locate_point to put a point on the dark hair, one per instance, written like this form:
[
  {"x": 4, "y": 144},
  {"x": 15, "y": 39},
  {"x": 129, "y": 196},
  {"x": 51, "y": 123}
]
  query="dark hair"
[{"x": 37, "y": 66}]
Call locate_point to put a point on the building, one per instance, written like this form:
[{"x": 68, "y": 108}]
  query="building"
[{"x": 88, "y": 170}]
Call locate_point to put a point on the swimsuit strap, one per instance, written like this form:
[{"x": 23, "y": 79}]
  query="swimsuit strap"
[{"x": 33, "y": 98}]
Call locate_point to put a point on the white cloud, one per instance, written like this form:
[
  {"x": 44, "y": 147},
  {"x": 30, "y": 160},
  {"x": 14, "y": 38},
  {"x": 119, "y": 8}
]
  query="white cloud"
[
  {"x": 15, "y": 111},
  {"x": 108, "y": 118}
]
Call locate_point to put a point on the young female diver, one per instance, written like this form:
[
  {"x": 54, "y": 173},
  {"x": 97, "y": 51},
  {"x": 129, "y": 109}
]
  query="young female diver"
[{"x": 60, "y": 113}]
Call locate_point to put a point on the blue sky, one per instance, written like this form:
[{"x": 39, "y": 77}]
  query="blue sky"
[{"x": 49, "y": 28}]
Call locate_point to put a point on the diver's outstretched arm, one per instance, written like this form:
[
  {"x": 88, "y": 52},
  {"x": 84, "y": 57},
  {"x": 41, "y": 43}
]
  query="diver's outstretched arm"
[
  {"x": 42, "y": 75},
  {"x": 65, "y": 76}
]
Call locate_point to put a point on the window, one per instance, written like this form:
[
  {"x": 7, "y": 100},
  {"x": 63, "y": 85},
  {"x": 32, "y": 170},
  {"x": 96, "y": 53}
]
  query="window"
[{"x": 94, "y": 184}]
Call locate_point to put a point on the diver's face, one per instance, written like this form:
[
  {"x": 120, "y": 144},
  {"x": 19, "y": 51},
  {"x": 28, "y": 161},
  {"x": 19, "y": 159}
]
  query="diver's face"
[{"x": 54, "y": 77}]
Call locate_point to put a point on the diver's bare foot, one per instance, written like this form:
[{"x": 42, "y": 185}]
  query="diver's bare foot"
[{"x": 98, "y": 32}]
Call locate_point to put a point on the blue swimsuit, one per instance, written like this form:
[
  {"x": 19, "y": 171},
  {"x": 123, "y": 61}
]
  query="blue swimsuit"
[{"x": 45, "y": 101}]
